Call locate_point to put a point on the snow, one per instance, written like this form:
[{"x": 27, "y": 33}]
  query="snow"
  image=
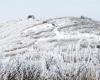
[{"x": 53, "y": 49}]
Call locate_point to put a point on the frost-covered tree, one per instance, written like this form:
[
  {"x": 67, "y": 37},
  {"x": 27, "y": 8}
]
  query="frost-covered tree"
[
  {"x": 82, "y": 17},
  {"x": 30, "y": 17}
]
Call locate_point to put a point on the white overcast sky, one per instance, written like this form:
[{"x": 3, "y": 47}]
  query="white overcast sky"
[{"x": 12, "y": 9}]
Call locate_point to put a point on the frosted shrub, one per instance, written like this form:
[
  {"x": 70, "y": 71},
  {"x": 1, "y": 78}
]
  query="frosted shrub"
[
  {"x": 50, "y": 65},
  {"x": 93, "y": 45},
  {"x": 83, "y": 43},
  {"x": 63, "y": 62}
]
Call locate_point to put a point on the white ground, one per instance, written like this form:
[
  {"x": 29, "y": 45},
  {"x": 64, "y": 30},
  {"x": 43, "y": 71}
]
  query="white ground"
[{"x": 55, "y": 49}]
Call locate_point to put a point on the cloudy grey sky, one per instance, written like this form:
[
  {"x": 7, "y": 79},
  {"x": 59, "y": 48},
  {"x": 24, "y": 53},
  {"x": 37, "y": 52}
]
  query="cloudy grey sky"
[{"x": 12, "y": 9}]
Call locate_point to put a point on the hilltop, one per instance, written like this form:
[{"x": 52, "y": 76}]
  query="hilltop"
[{"x": 65, "y": 48}]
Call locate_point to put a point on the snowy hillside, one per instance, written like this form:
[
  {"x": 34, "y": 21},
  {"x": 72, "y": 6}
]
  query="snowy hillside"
[{"x": 66, "y": 48}]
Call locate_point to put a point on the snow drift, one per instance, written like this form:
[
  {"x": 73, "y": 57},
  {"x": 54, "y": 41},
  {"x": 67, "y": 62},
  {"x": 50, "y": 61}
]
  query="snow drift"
[{"x": 66, "y": 48}]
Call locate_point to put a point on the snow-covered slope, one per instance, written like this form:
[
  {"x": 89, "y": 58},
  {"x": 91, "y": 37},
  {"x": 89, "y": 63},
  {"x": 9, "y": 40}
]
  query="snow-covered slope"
[{"x": 66, "y": 48}]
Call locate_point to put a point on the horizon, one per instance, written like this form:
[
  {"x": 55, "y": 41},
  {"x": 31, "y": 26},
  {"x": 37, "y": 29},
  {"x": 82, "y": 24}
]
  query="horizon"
[{"x": 14, "y": 9}]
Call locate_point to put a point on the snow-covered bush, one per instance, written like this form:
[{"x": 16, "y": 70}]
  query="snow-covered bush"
[
  {"x": 83, "y": 43},
  {"x": 51, "y": 65}
]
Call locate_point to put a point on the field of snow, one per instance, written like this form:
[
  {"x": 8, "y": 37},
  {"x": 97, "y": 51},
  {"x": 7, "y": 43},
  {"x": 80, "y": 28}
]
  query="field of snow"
[{"x": 66, "y": 48}]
